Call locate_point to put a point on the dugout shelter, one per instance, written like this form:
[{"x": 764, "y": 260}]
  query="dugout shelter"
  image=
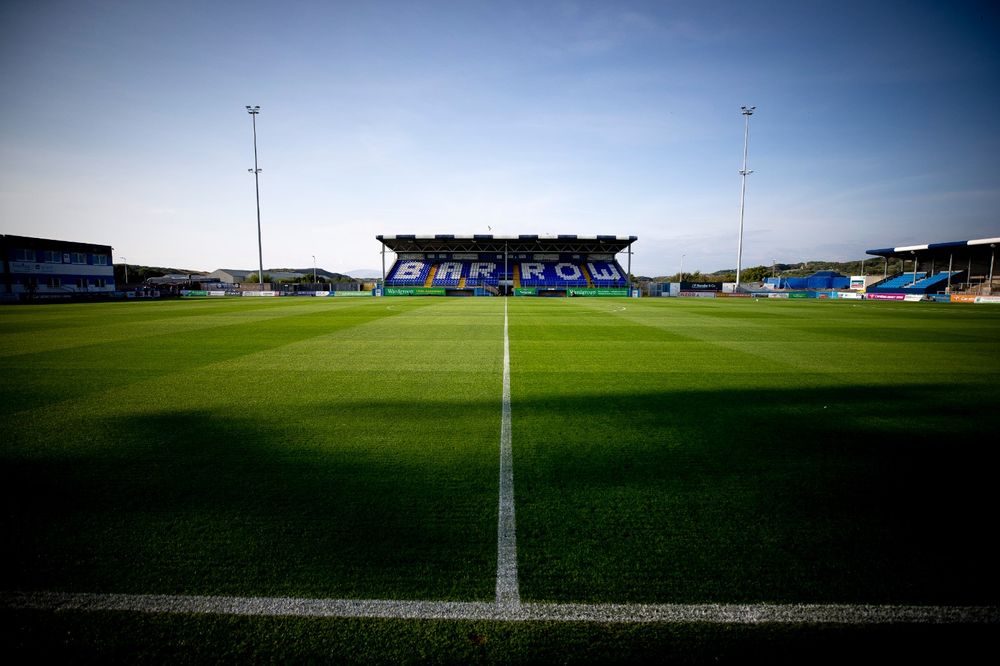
[{"x": 523, "y": 265}]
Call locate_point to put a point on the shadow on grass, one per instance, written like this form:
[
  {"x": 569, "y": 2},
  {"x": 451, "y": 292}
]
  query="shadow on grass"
[
  {"x": 844, "y": 494},
  {"x": 194, "y": 502},
  {"x": 812, "y": 495},
  {"x": 115, "y": 637}
]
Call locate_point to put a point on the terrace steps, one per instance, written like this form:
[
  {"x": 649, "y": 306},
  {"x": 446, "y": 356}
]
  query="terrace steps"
[
  {"x": 430, "y": 275},
  {"x": 517, "y": 276},
  {"x": 586, "y": 274}
]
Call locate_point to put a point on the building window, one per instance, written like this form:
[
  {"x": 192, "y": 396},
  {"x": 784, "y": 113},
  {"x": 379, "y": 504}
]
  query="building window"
[
  {"x": 81, "y": 283},
  {"x": 24, "y": 255},
  {"x": 100, "y": 260},
  {"x": 78, "y": 257},
  {"x": 53, "y": 257},
  {"x": 54, "y": 282},
  {"x": 100, "y": 282}
]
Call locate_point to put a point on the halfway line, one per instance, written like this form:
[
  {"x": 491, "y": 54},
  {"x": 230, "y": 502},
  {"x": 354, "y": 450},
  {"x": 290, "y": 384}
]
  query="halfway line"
[{"x": 508, "y": 594}]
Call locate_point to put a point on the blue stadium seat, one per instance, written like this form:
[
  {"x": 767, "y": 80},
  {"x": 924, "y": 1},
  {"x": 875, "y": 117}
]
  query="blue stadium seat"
[
  {"x": 482, "y": 273},
  {"x": 928, "y": 285},
  {"x": 449, "y": 273},
  {"x": 551, "y": 274},
  {"x": 408, "y": 273},
  {"x": 412, "y": 272},
  {"x": 931, "y": 282},
  {"x": 900, "y": 281},
  {"x": 606, "y": 274}
]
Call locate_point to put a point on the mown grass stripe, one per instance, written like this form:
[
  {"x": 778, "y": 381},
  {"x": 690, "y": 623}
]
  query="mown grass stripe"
[{"x": 729, "y": 614}]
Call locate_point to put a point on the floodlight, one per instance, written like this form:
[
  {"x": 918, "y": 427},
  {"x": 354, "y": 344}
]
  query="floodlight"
[
  {"x": 744, "y": 172},
  {"x": 253, "y": 111}
]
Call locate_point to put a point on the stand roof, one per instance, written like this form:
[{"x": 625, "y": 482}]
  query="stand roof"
[{"x": 564, "y": 243}]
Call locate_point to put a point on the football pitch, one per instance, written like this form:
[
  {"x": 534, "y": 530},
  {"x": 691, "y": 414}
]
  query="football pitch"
[{"x": 661, "y": 453}]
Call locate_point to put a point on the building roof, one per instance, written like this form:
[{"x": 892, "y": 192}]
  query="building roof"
[
  {"x": 31, "y": 243},
  {"x": 934, "y": 248},
  {"x": 519, "y": 243}
]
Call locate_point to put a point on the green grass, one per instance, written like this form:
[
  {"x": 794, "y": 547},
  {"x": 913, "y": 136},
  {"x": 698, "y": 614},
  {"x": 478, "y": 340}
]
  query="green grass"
[
  {"x": 664, "y": 451},
  {"x": 107, "y": 637},
  {"x": 312, "y": 449},
  {"x": 725, "y": 451}
]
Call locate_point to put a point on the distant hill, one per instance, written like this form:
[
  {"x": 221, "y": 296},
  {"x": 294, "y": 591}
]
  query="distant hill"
[
  {"x": 138, "y": 273},
  {"x": 872, "y": 265},
  {"x": 334, "y": 277},
  {"x": 365, "y": 273},
  {"x": 162, "y": 270},
  {"x": 810, "y": 267}
]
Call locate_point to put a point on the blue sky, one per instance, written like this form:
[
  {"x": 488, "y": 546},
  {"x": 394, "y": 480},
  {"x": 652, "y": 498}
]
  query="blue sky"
[{"x": 124, "y": 123}]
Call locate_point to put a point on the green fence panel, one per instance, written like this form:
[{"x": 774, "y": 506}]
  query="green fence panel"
[
  {"x": 414, "y": 291},
  {"x": 598, "y": 292}
]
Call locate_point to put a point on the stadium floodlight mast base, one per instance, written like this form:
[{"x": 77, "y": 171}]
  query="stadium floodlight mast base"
[
  {"x": 744, "y": 172},
  {"x": 253, "y": 111}
]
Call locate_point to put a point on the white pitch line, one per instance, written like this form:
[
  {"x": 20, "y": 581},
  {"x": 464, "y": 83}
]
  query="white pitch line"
[
  {"x": 508, "y": 594},
  {"x": 740, "y": 614}
]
